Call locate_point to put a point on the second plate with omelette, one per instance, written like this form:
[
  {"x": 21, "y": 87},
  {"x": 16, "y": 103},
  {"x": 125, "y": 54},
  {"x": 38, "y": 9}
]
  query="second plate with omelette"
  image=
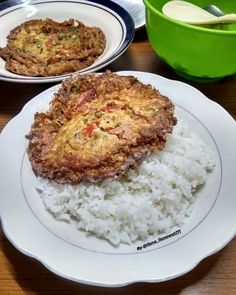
[{"x": 114, "y": 23}]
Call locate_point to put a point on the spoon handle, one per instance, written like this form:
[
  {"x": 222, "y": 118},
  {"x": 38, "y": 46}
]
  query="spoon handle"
[{"x": 227, "y": 18}]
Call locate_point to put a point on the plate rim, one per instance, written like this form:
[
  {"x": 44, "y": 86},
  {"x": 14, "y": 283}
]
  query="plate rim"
[
  {"x": 129, "y": 281},
  {"x": 140, "y": 25}
]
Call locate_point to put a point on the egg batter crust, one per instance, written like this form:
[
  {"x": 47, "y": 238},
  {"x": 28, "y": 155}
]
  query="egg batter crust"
[
  {"x": 48, "y": 48},
  {"x": 97, "y": 127}
]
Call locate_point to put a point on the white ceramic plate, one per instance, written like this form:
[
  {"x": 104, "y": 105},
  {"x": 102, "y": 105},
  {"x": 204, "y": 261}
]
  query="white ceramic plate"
[
  {"x": 136, "y": 9},
  {"x": 73, "y": 255},
  {"x": 115, "y": 22}
]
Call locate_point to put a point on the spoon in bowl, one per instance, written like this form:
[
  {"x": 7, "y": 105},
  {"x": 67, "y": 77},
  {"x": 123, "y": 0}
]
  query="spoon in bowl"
[
  {"x": 214, "y": 10},
  {"x": 217, "y": 12},
  {"x": 192, "y": 14}
]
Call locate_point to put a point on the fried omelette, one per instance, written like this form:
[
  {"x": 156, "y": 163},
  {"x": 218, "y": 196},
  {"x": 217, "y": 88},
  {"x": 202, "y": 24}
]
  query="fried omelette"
[
  {"x": 97, "y": 127},
  {"x": 47, "y": 48}
]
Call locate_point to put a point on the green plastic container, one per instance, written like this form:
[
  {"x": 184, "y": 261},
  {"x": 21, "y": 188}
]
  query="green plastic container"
[{"x": 195, "y": 52}]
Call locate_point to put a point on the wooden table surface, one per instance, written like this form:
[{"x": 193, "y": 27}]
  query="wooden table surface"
[{"x": 20, "y": 274}]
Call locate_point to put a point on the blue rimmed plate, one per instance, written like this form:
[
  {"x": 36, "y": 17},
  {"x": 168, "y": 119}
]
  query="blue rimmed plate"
[{"x": 115, "y": 22}]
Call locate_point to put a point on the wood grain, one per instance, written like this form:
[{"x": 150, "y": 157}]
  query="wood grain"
[{"x": 20, "y": 274}]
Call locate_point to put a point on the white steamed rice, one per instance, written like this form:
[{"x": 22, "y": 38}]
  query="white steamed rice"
[{"x": 154, "y": 199}]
